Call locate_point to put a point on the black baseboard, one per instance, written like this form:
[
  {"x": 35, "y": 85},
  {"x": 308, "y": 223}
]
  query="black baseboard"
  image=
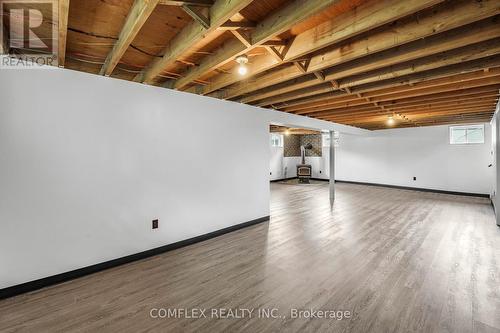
[
  {"x": 290, "y": 178},
  {"x": 282, "y": 179},
  {"x": 481, "y": 195},
  {"x": 51, "y": 280},
  {"x": 321, "y": 179}
]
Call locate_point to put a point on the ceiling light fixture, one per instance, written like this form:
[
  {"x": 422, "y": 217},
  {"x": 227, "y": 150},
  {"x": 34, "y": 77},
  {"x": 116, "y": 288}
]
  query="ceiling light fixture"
[{"x": 243, "y": 61}]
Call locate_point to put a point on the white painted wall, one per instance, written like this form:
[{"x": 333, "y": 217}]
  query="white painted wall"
[
  {"x": 86, "y": 162},
  {"x": 276, "y": 163},
  {"x": 282, "y": 167},
  {"x": 286, "y": 167},
  {"x": 395, "y": 156}
]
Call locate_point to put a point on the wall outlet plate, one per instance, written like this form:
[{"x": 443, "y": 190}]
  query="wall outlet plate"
[{"x": 155, "y": 224}]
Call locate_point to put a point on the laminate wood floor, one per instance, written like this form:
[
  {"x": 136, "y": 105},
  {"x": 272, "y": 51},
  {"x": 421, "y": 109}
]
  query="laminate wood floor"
[{"x": 399, "y": 261}]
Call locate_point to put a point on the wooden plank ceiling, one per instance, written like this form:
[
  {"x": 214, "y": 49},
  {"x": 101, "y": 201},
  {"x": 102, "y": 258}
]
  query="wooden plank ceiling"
[{"x": 355, "y": 62}]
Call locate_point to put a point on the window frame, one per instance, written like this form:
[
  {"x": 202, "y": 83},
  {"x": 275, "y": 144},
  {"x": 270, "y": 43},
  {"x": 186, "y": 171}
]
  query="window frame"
[
  {"x": 466, "y": 127},
  {"x": 280, "y": 140}
]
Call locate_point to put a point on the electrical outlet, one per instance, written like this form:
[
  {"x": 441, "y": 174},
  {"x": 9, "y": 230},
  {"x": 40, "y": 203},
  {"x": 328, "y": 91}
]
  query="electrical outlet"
[
  {"x": 414, "y": 178},
  {"x": 155, "y": 224},
  {"x": 319, "y": 171}
]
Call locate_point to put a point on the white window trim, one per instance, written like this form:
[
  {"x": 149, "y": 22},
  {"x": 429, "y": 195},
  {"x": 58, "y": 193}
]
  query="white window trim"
[
  {"x": 280, "y": 136},
  {"x": 450, "y": 129}
]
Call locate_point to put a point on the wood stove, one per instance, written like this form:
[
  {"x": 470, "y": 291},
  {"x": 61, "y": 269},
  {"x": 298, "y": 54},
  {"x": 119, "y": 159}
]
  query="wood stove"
[{"x": 304, "y": 171}]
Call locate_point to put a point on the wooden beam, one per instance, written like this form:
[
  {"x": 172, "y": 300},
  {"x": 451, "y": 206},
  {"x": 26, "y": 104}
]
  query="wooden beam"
[
  {"x": 490, "y": 84},
  {"x": 319, "y": 75},
  {"x": 458, "y": 56},
  {"x": 138, "y": 15},
  {"x": 274, "y": 53},
  {"x": 379, "y": 122},
  {"x": 445, "y": 84},
  {"x": 448, "y": 16},
  {"x": 446, "y": 41},
  {"x": 414, "y": 78},
  {"x": 242, "y": 37},
  {"x": 354, "y": 113},
  {"x": 450, "y": 102},
  {"x": 230, "y": 25},
  {"x": 436, "y": 105},
  {"x": 451, "y": 97},
  {"x": 431, "y": 122},
  {"x": 276, "y": 23},
  {"x": 220, "y": 13},
  {"x": 367, "y": 114},
  {"x": 300, "y": 66},
  {"x": 323, "y": 88},
  {"x": 63, "y": 31},
  {"x": 382, "y": 117},
  {"x": 274, "y": 42},
  {"x": 399, "y": 86},
  {"x": 204, "y": 3},
  {"x": 197, "y": 16},
  {"x": 376, "y": 117},
  {"x": 366, "y": 17}
]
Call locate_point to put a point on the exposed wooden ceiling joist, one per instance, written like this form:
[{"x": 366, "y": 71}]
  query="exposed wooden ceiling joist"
[
  {"x": 229, "y": 25},
  {"x": 139, "y": 13},
  {"x": 274, "y": 24},
  {"x": 220, "y": 12},
  {"x": 205, "y": 3},
  {"x": 423, "y": 89},
  {"x": 368, "y": 113},
  {"x": 197, "y": 15},
  {"x": 354, "y": 100},
  {"x": 444, "y": 18},
  {"x": 447, "y": 41},
  {"x": 421, "y": 114},
  {"x": 366, "y": 17},
  {"x": 418, "y": 90},
  {"x": 452, "y": 57},
  {"x": 316, "y": 93},
  {"x": 464, "y": 96},
  {"x": 291, "y": 130}
]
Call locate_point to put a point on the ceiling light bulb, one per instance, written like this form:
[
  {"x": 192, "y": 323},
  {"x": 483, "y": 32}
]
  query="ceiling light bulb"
[
  {"x": 390, "y": 120},
  {"x": 242, "y": 69},
  {"x": 287, "y": 132},
  {"x": 242, "y": 60}
]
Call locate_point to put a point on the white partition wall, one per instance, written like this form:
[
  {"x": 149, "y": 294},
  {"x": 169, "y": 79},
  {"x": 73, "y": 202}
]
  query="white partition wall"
[{"x": 87, "y": 162}]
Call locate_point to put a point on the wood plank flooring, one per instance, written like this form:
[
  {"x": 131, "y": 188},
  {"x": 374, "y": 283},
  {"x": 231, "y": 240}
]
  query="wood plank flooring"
[{"x": 398, "y": 260}]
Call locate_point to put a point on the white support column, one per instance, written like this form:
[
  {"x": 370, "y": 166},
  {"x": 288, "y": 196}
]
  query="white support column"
[
  {"x": 495, "y": 135},
  {"x": 332, "y": 168}
]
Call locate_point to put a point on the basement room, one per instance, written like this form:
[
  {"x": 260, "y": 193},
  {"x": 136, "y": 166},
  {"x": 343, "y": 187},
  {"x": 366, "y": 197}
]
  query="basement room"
[{"x": 249, "y": 166}]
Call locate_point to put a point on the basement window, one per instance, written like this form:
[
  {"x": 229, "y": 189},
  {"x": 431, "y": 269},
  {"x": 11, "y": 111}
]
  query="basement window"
[
  {"x": 466, "y": 135},
  {"x": 276, "y": 140}
]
